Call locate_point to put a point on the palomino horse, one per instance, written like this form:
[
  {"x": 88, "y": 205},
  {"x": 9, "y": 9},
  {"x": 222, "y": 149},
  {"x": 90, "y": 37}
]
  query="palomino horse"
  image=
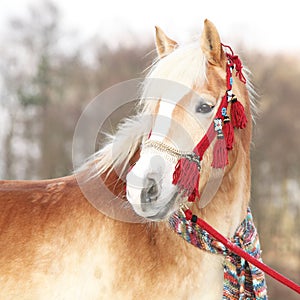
[{"x": 55, "y": 245}]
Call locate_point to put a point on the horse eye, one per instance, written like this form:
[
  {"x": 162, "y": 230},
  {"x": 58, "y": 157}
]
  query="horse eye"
[{"x": 204, "y": 108}]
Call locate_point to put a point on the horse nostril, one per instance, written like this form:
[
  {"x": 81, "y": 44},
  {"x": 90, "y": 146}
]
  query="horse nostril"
[
  {"x": 151, "y": 190},
  {"x": 150, "y": 193}
]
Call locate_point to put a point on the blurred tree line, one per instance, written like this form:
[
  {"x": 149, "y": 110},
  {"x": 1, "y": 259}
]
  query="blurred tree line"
[{"x": 45, "y": 82}]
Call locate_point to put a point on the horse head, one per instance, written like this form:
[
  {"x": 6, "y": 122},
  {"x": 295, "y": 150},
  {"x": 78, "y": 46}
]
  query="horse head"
[{"x": 196, "y": 91}]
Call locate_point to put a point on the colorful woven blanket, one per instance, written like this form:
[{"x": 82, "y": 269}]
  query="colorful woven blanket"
[{"x": 242, "y": 280}]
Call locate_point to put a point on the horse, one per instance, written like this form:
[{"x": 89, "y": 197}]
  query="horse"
[{"x": 54, "y": 244}]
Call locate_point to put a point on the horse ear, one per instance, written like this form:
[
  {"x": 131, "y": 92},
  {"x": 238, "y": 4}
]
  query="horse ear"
[
  {"x": 211, "y": 43},
  {"x": 164, "y": 45}
]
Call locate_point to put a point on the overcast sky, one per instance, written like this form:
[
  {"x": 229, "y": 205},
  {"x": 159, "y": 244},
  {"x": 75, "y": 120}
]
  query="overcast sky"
[{"x": 265, "y": 25}]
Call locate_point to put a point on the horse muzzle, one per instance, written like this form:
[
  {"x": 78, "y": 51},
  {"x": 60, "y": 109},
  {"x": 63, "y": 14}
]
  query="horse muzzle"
[{"x": 149, "y": 187}]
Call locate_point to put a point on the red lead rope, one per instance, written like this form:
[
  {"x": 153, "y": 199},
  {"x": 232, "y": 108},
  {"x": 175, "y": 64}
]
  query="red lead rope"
[{"x": 240, "y": 252}]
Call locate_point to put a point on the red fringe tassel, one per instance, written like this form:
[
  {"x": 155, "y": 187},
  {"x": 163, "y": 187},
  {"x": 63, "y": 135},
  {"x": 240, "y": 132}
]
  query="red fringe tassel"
[
  {"x": 238, "y": 116},
  {"x": 186, "y": 176},
  {"x": 228, "y": 132},
  {"x": 220, "y": 154}
]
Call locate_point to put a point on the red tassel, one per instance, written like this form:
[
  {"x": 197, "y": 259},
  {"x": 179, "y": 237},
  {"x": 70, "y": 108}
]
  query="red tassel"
[
  {"x": 238, "y": 116},
  {"x": 228, "y": 132},
  {"x": 220, "y": 154},
  {"x": 186, "y": 176}
]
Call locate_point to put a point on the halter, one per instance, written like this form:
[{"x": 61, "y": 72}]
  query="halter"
[{"x": 187, "y": 170}]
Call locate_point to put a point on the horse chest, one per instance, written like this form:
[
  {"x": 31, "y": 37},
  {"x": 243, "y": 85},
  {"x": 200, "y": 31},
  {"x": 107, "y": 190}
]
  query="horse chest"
[
  {"x": 155, "y": 268},
  {"x": 121, "y": 268}
]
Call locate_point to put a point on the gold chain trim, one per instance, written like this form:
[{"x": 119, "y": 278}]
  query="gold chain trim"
[{"x": 161, "y": 147}]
